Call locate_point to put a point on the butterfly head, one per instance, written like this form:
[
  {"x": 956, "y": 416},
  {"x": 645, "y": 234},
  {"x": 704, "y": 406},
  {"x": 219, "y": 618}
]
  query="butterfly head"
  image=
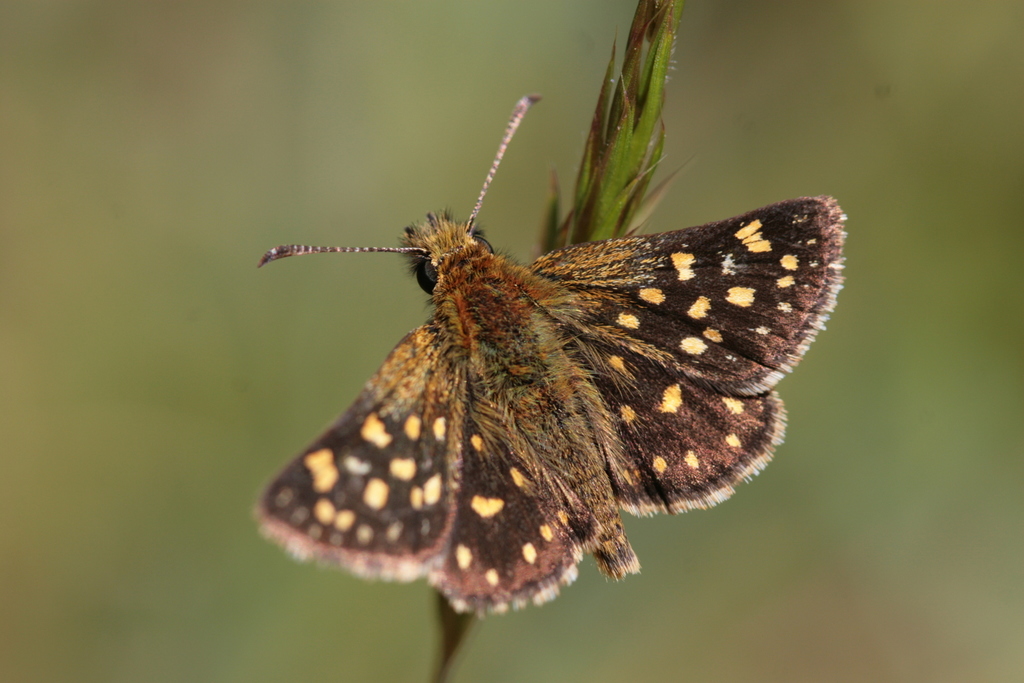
[{"x": 439, "y": 246}]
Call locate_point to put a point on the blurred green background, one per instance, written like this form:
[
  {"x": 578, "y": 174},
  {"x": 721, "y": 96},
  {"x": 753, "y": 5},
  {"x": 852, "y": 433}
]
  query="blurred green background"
[{"x": 152, "y": 379}]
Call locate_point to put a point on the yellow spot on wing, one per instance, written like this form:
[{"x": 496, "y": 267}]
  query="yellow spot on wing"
[
  {"x": 784, "y": 282},
  {"x": 740, "y": 296},
  {"x": 671, "y": 399},
  {"x": 546, "y": 532},
  {"x": 364, "y": 534},
  {"x": 416, "y": 498},
  {"x": 486, "y": 507},
  {"x": 562, "y": 517},
  {"x": 682, "y": 263},
  {"x": 439, "y": 429},
  {"x": 733, "y": 440},
  {"x": 748, "y": 229},
  {"x": 492, "y": 577},
  {"x": 412, "y": 427},
  {"x": 403, "y": 468},
  {"x": 691, "y": 460},
  {"x": 617, "y": 363},
  {"x": 477, "y": 442},
  {"x": 700, "y": 308},
  {"x": 321, "y": 466},
  {"x": 652, "y": 296},
  {"x": 373, "y": 431},
  {"x": 375, "y": 495},
  {"x": 753, "y": 240},
  {"x": 394, "y": 531},
  {"x": 734, "y": 405},
  {"x": 344, "y": 520},
  {"x": 463, "y": 556},
  {"x": 324, "y": 511},
  {"x": 529, "y": 553},
  {"x": 629, "y": 320},
  {"x": 785, "y": 307},
  {"x": 789, "y": 262},
  {"x": 659, "y": 464},
  {"x": 517, "y": 477},
  {"x": 713, "y": 334},
  {"x": 432, "y": 490},
  {"x": 627, "y": 413},
  {"x": 693, "y": 345}
]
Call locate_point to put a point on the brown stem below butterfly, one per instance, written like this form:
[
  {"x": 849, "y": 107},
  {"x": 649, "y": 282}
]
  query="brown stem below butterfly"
[{"x": 454, "y": 628}]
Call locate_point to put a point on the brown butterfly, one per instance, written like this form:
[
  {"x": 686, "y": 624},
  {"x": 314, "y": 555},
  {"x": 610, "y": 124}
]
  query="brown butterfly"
[{"x": 498, "y": 441}]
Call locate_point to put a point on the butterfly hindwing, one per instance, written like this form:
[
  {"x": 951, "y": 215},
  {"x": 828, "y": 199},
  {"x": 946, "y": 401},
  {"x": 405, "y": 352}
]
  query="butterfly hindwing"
[
  {"x": 373, "y": 492},
  {"x": 685, "y": 444},
  {"x": 510, "y": 541}
]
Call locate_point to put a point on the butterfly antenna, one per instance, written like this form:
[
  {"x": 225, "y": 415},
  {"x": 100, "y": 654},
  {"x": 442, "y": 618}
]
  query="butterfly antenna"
[
  {"x": 300, "y": 249},
  {"x": 522, "y": 106}
]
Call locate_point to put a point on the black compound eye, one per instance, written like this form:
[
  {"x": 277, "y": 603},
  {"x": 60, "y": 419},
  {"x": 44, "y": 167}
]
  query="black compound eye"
[
  {"x": 484, "y": 242},
  {"x": 426, "y": 275}
]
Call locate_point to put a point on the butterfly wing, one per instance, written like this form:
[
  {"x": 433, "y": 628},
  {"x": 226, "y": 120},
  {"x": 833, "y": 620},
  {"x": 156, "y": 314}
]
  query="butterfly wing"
[
  {"x": 374, "y": 492},
  {"x": 381, "y": 492},
  {"x": 686, "y": 332},
  {"x": 511, "y": 540},
  {"x": 685, "y": 444},
  {"x": 733, "y": 303}
]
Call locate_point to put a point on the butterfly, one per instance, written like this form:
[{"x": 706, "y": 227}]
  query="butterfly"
[{"x": 499, "y": 441}]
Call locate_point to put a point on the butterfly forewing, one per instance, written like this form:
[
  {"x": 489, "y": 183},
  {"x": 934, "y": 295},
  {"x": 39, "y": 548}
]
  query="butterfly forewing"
[
  {"x": 733, "y": 303},
  {"x": 373, "y": 492}
]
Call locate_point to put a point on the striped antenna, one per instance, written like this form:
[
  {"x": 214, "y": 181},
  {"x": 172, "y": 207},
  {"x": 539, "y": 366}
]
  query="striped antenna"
[
  {"x": 301, "y": 249},
  {"x": 522, "y": 106}
]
